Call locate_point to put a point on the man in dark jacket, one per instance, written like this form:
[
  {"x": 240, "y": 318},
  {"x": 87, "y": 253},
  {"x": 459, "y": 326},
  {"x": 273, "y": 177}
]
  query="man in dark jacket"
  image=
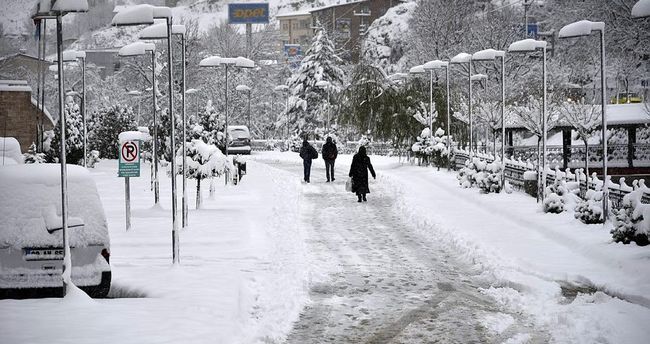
[
  {"x": 329, "y": 155},
  {"x": 307, "y": 153},
  {"x": 359, "y": 173}
]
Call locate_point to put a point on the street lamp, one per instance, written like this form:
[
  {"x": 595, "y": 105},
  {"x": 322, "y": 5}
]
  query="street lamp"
[
  {"x": 641, "y": 9},
  {"x": 244, "y": 88},
  {"x": 216, "y": 61},
  {"x": 144, "y": 15},
  {"x": 463, "y": 58},
  {"x": 326, "y": 85},
  {"x": 56, "y": 10},
  {"x": 159, "y": 31},
  {"x": 437, "y": 64},
  {"x": 284, "y": 89},
  {"x": 586, "y": 28},
  {"x": 530, "y": 46},
  {"x": 492, "y": 55},
  {"x": 138, "y": 49}
]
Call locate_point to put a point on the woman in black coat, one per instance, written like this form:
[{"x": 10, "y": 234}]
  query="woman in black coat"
[{"x": 359, "y": 173}]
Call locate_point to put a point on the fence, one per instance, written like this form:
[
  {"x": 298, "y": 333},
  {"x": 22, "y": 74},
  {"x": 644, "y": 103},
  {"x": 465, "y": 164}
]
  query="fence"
[{"x": 350, "y": 147}]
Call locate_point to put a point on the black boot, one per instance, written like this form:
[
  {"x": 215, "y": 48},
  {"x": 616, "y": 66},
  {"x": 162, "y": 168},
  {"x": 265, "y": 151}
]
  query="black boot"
[
  {"x": 364, "y": 198},
  {"x": 359, "y": 196}
]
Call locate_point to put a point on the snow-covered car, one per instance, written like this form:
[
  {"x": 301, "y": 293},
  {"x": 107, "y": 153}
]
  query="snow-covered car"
[
  {"x": 31, "y": 239},
  {"x": 241, "y": 139}
]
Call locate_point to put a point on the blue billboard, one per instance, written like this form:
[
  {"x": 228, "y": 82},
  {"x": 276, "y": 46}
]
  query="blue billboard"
[{"x": 248, "y": 13}]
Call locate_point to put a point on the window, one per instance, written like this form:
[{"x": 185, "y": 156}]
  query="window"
[
  {"x": 304, "y": 24},
  {"x": 285, "y": 27},
  {"x": 294, "y": 26}
]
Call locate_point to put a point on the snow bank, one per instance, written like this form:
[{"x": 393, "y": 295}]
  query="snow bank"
[{"x": 10, "y": 153}]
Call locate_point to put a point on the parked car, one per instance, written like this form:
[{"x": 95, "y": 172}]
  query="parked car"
[
  {"x": 241, "y": 139},
  {"x": 31, "y": 239}
]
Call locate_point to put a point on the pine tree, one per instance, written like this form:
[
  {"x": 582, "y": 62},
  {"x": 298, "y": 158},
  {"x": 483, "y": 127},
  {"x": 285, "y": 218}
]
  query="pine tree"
[
  {"x": 306, "y": 103},
  {"x": 73, "y": 135},
  {"x": 108, "y": 123},
  {"x": 33, "y": 156},
  {"x": 210, "y": 127}
]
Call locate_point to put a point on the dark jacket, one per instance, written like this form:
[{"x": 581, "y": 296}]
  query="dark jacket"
[
  {"x": 359, "y": 172},
  {"x": 307, "y": 151},
  {"x": 329, "y": 150}
]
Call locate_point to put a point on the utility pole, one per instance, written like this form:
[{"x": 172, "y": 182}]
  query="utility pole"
[{"x": 527, "y": 4}]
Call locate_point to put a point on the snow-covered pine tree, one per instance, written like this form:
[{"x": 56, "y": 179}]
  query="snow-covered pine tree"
[
  {"x": 73, "y": 135},
  {"x": 33, "y": 156},
  {"x": 305, "y": 103},
  {"x": 108, "y": 123},
  {"x": 203, "y": 161},
  {"x": 210, "y": 127}
]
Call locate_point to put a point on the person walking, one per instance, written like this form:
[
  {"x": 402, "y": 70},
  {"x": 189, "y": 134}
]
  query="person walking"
[
  {"x": 307, "y": 153},
  {"x": 359, "y": 174},
  {"x": 329, "y": 155}
]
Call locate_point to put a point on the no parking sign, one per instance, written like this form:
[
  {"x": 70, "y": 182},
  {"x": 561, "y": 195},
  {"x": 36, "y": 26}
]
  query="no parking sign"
[{"x": 129, "y": 159}]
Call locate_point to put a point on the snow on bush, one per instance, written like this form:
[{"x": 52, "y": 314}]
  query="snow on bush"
[
  {"x": 489, "y": 179},
  {"x": 560, "y": 195},
  {"x": 73, "y": 136},
  {"x": 590, "y": 209},
  {"x": 632, "y": 221},
  {"x": 34, "y": 157},
  {"x": 433, "y": 149}
]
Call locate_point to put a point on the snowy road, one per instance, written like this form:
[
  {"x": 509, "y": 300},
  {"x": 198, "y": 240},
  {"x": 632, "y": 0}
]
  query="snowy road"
[{"x": 382, "y": 282}]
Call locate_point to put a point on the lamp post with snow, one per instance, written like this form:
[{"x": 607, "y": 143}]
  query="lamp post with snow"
[
  {"x": 284, "y": 89},
  {"x": 492, "y": 55},
  {"x": 216, "y": 61},
  {"x": 527, "y": 46},
  {"x": 56, "y": 10},
  {"x": 160, "y": 32},
  {"x": 431, "y": 66},
  {"x": 244, "y": 88},
  {"x": 586, "y": 28},
  {"x": 139, "y": 49},
  {"x": 144, "y": 15},
  {"x": 464, "y": 58},
  {"x": 326, "y": 85}
]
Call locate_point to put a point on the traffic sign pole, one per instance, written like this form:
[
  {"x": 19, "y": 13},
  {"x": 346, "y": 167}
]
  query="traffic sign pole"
[
  {"x": 127, "y": 201},
  {"x": 129, "y": 166}
]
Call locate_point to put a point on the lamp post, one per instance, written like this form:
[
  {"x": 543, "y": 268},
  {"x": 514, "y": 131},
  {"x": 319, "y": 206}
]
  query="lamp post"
[
  {"x": 527, "y": 46},
  {"x": 431, "y": 66},
  {"x": 216, "y": 61},
  {"x": 492, "y": 55},
  {"x": 144, "y": 15},
  {"x": 641, "y": 9},
  {"x": 56, "y": 10},
  {"x": 463, "y": 58},
  {"x": 586, "y": 28},
  {"x": 160, "y": 31},
  {"x": 138, "y": 49},
  {"x": 284, "y": 89},
  {"x": 244, "y": 88},
  {"x": 326, "y": 85}
]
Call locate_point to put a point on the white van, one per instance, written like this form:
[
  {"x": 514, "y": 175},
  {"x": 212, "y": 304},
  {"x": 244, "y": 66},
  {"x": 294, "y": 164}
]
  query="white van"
[{"x": 31, "y": 240}]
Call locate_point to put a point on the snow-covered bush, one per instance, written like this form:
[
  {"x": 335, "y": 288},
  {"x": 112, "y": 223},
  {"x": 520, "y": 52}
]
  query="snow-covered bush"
[
  {"x": 107, "y": 125},
  {"x": 431, "y": 148},
  {"x": 553, "y": 203},
  {"x": 73, "y": 136},
  {"x": 489, "y": 178},
  {"x": 467, "y": 175},
  {"x": 34, "y": 157},
  {"x": 294, "y": 143},
  {"x": 560, "y": 196},
  {"x": 590, "y": 210},
  {"x": 632, "y": 221},
  {"x": 203, "y": 161}
]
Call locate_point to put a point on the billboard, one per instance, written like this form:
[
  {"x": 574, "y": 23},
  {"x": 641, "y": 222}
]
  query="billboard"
[
  {"x": 248, "y": 13},
  {"x": 293, "y": 53}
]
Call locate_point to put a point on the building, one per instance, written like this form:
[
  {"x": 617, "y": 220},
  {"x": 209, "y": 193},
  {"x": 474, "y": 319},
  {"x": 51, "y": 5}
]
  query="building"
[
  {"x": 20, "y": 65},
  {"x": 347, "y": 23},
  {"x": 19, "y": 116},
  {"x": 106, "y": 61},
  {"x": 295, "y": 28}
]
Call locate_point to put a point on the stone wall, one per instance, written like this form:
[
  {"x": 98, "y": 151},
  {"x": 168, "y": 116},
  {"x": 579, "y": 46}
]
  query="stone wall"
[{"x": 19, "y": 118}]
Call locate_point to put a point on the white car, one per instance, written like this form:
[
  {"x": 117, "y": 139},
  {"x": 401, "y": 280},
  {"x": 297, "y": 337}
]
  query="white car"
[
  {"x": 31, "y": 240},
  {"x": 241, "y": 139}
]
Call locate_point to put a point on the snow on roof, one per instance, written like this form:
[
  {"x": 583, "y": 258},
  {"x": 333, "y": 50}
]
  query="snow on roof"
[
  {"x": 15, "y": 88},
  {"x": 10, "y": 148},
  {"x": 580, "y": 28},
  {"x": 335, "y": 5},
  {"x": 70, "y": 6},
  {"x": 47, "y": 113},
  {"x": 293, "y": 14},
  {"x": 237, "y": 127},
  {"x": 13, "y": 82},
  {"x": 627, "y": 114},
  {"x": 641, "y": 9}
]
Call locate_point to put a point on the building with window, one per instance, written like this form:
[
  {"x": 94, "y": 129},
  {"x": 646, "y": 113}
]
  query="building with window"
[{"x": 295, "y": 28}]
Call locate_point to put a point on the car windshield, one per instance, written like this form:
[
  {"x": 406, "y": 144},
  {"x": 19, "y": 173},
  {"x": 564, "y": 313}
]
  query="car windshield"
[{"x": 239, "y": 134}]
